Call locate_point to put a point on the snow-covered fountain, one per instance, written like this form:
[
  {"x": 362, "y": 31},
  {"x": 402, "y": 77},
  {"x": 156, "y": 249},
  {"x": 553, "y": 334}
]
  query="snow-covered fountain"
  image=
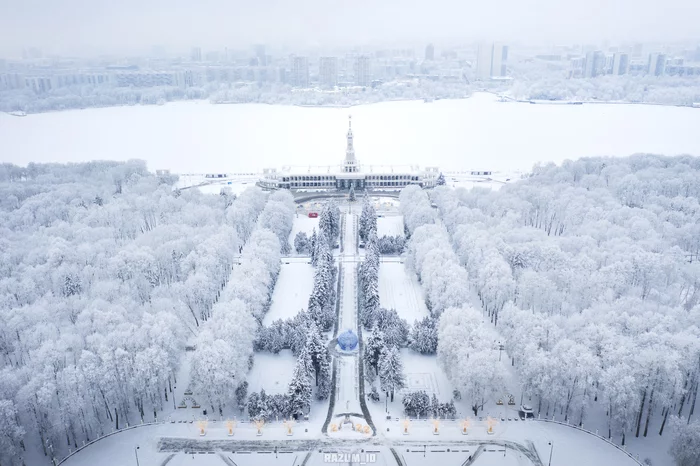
[{"x": 347, "y": 342}]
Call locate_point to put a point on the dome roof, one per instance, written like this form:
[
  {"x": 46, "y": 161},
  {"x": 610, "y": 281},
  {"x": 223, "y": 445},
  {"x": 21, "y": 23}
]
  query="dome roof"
[{"x": 347, "y": 340}]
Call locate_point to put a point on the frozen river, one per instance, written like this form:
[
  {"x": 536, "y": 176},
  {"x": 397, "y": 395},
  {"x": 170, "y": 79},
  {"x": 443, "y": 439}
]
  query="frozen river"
[{"x": 478, "y": 132}]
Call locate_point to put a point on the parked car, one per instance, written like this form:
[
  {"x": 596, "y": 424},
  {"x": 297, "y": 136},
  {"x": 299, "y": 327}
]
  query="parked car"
[
  {"x": 362, "y": 244},
  {"x": 313, "y": 214}
]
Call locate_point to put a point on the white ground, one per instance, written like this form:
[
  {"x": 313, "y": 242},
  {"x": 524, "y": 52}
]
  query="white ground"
[
  {"x": 399, "y": 289},
  {"x": 572, "y": 447},
  {"x": 273, "y": 372},
  {"x": 118, "y": 449},
  {"x": 302, "y": 222},
  {"x": 292, "y": 291},
  {"x": 390, "y": 225},
  {"x": 197, "y": 137}
]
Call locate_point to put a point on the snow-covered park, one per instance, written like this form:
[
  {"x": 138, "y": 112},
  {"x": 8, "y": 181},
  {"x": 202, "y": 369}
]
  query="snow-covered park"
[{"x": 198, "y": 317}]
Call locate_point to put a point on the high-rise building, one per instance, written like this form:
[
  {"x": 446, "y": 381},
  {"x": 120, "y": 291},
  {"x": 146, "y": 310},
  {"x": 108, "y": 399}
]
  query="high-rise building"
[
  {"x": 11, "y": 81},
  {"x": 595, "y": 64},
  {"x": 299, "y": 71},
  {"x": 656, "y": 64},
  {"x": 621, "y": 64},
  {"x": 260, "y": 54},
  {"x": 483, "y": 61},
  {"x": 363, "y": 75},
  {"x": 328, "y": 71},
  {"x": 491, "y": 61},
  {"x": 430, "y": 52},
  {"x": 498, "y": 62},
  {"x": 196, "y": 54}
]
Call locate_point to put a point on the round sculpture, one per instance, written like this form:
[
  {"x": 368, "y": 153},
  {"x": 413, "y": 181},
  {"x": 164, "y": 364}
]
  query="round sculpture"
[{"x": 347, "y": 341}]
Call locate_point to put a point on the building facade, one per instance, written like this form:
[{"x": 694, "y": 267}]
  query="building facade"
[
  {"x": 363, "y": 74},
  {"x": 594, "y": 65},
  {"x": 491, "y": 61},
  {"x": 328, "y": 71},
  {"x": 621, "y": 64},
  {"x": 430, "y": 52},
  {"x": 656, "y": 64},
  {"x": 350, "y": 173},
  {"x": 299, "y": 72}
]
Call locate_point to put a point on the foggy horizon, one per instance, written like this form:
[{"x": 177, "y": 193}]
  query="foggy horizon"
[{"x": 76, "y": 27}]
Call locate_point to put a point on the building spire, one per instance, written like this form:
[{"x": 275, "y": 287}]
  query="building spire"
[{"x": 350, "y": 162}]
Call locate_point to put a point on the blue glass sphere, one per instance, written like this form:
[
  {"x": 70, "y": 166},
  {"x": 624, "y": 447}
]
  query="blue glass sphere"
[{"x": 347, "y": 340}]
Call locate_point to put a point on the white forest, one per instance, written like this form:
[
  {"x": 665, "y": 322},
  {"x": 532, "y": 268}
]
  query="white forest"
[{"x": 120, "y": 293}]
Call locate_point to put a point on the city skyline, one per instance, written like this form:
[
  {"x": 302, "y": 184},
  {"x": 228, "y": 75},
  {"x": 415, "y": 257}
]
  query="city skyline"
[{"x": 132, "y": 27}]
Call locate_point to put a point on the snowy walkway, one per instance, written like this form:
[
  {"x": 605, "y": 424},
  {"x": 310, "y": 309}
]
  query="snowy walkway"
[{"x": 347, "y": 392}]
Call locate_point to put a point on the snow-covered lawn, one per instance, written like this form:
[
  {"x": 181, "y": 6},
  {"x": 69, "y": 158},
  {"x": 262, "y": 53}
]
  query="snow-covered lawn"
[
  {"x": 302, "y": 222},
  {"x": 292, "y": 290},
  {"x": 273, "y": 372},
  {"x": 399, "y": 289},
  {"x": 390, "y": 225}
]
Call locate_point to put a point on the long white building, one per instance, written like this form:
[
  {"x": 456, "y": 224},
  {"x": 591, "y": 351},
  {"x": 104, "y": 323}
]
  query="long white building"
[{"x": 348, "y": 173}]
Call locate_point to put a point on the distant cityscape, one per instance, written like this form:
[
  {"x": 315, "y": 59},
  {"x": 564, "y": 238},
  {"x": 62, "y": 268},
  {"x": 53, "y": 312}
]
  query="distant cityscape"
[{"x": 40, "y": 73}]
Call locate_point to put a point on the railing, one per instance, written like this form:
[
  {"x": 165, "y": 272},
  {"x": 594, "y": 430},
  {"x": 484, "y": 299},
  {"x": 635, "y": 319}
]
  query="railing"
[{"x": 595, "y": 434}]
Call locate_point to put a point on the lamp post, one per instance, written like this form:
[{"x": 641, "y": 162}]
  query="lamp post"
[
  {"x": 136, "y": 452},
  {"x": 550, "y": 452}
]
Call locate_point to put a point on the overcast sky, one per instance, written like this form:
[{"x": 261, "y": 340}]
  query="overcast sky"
[{"x": 64, "y": 26}]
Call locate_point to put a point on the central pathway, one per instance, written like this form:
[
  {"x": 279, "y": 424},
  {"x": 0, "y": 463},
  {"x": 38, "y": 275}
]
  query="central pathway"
[
  {"x": 347, "y": 399},
  {"x": 347, "y": 394}
]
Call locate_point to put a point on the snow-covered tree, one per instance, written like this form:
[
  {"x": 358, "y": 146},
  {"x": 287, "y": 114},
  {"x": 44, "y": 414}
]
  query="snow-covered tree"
[
  {"x": 468, "y": 355},
  {"x": 685, "y": 444},
  {"x": 313, "y": 242},
  {"x": 423, "y": 337},
  {"x": 351, "y": 196},
  {"x": 391, "y": 371},
  {"x": 416, "y": 404},
  {"x": 368, "y": 219},
  {"x": 300, "y": 389},
  {"x": 374, "y": 347},
  {"x": 301, "y": 243},
  {"x": 11, "y": 433},
  {"x": 394, "y": 328},
  {"x": 329, "y": 223}
]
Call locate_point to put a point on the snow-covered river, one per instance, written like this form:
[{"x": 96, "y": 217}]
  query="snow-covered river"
[{"x": 479, "y": 132}]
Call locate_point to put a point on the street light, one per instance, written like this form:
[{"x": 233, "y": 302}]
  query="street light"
[
  {"x": 136, "y": 452},
  {"x": 550, "y": 452}
]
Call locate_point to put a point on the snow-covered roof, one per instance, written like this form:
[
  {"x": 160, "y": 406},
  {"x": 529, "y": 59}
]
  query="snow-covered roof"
[{"x": 338, "y": 170}]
